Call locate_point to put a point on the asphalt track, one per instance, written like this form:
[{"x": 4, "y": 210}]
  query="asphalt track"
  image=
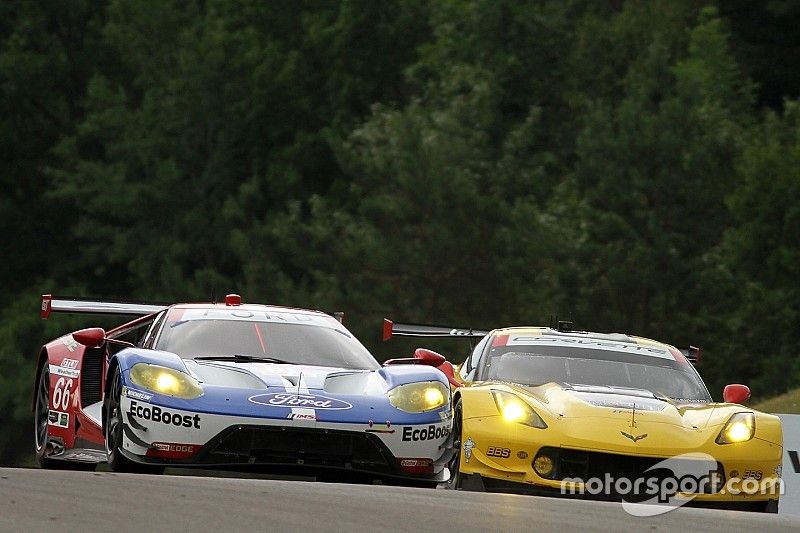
[{"x": 39, "y": 500}]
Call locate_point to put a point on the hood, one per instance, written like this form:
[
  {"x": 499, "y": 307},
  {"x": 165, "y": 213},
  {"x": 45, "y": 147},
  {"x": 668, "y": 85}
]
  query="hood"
[
  {"x": 299, "y": 378},
  {"x": 604, "y": 419},
  {"x": 615, "y": 403},
  {"x": 310, "y": 378}
]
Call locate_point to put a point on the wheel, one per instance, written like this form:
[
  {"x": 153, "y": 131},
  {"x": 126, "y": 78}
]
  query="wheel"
[
  {"x": 112, "y": 431},
  {"x": 40, "y": 420},
  {"x": 456, "y": 477},
  {"x": 771, "y": 506}
]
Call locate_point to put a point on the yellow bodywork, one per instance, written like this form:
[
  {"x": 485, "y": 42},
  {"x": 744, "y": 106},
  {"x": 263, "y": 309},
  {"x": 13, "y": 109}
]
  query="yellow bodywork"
[{"x": 498, "y": 449}]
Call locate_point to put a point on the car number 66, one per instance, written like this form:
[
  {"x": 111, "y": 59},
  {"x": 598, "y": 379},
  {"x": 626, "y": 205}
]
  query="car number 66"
[{"x": 61, "y": 394}]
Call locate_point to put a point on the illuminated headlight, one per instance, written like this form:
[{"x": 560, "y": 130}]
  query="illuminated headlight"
[
  {"x": 740, "y": 428},
  {"x": 166, "y": 381},
  {"x": 513, "y": 409},
  {"x": 419, "y": 397}
]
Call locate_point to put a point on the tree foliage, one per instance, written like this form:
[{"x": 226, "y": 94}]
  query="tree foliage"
[{"x": 472, "y": 162}]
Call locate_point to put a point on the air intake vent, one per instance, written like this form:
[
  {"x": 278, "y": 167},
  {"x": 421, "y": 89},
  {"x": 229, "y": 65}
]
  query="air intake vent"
[{"x": 91, "y": 371}]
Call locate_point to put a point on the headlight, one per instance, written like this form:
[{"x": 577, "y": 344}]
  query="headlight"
[
  {"x": 166, "y": 381},
  {"x": 419, "y": 397},
  {"x": 513, "y": 409},
  {"x": 740, "y": 428}
]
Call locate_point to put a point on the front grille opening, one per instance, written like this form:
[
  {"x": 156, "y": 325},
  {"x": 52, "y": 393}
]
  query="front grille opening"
[{"x": 304, "y": 446}]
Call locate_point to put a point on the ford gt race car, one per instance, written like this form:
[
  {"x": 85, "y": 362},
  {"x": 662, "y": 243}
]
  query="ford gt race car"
[
  {"x": 553, "y": 411},
  {"x": 230, "y": 385}
]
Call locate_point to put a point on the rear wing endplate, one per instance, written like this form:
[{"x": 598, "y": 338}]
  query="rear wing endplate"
[
  {"x": 393, "y": 329},
  {"x": 692, "y": 353},
  {"x": 97, "y": 307}
]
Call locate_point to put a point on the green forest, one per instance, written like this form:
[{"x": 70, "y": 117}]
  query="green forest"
[{"x": 631, "y": 165}]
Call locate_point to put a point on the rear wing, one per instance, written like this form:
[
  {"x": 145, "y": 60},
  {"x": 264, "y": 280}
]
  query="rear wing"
[
  {"x": 393, "y": 329},
  {"x": 692, "y": 353},
  {"x": 51, "y": 304}
]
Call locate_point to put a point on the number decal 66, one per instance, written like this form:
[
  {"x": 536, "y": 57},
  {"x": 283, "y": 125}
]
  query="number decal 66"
[{"x": 62, "y": 393}]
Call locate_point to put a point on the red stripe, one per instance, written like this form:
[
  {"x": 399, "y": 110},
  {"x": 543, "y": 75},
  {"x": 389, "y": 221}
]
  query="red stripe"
[
  {"x": 679, "y": 357},
  {"x": 499, "y": 340},
  {"x": 175, "y": 314},
  {"x": 260, "y": 338}
]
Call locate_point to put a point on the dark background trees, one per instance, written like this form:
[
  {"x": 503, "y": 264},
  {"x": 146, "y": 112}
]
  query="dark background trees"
[{"x": 633, "y": 165}]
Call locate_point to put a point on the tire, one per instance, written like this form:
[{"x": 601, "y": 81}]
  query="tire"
[
  {"x": 456, "y": 477},
  {"x": 113, "y": 432},
  {"x": 771, "y": 506},
  {"x": 40, "y": 433}
]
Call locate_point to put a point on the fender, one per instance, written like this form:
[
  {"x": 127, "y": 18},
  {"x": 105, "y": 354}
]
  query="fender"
[
  {"x": 125, "y": 359},
  {"x": 477, "y": 402},
  {"x": 402, "y": 374},
  {"x": 65, "y": 358},
  {"x": 130, "y": 356}
]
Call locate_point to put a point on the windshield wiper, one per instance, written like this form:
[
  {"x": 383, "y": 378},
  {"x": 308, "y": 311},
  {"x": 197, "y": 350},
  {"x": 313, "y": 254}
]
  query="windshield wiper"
[{"x": 240, "y": 358}]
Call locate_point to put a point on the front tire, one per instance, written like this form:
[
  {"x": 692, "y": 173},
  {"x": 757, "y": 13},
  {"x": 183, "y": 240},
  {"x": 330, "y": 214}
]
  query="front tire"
[
  {"x": 771, "y": 506},
  {"x": 113, "y": 433},
  {"x": 456, "y": 477}
]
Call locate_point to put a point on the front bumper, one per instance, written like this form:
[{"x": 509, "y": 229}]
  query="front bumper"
[
  {"x": 503, "y": 457},
  {"x": 191, "y": 439}
]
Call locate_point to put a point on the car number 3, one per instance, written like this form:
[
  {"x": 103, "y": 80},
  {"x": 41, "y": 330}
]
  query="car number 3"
[{"x": 61, "y": 394}]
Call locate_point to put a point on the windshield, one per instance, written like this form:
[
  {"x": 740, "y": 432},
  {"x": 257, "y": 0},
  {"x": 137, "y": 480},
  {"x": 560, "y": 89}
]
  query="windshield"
[
  {"x": 534, "y": 365},
  {"x": 293, "y": 343}
]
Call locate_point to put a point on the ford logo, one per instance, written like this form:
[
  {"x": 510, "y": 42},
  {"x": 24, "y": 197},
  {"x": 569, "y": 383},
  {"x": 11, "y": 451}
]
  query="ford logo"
[{"x": 310, "y": 401}]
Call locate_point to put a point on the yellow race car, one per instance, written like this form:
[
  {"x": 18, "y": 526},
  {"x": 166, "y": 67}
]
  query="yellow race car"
[{"x": 553, "y": 411}]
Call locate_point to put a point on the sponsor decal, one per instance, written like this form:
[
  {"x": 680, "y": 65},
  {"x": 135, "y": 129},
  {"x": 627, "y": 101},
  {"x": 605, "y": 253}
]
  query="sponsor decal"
[
  {"x": 136, "y": 394},
  {"x": 522, "y": 454},
  {"x": 302, "y": 416},
  {"x": 461, "y": 332},
  {"x": 497, "y": 451},
  {"x": 71, "y": 344},
  {"x": 312, "y": 401},
  {"x": 155, "y": 413},
  {"x": 621, "y": 405},
  {"x": 172, "y": 450},
  {"x": 597, "y": 344},
  {"x": 468, "y": 445},
  {"x": 425, "y": 433},
  {"x": 66, "y": 372},
  {"x": 253, "y": 316},
  {"x": 58, "y": 419},
  {"x": 753, "y": 474},
  {"x": 69, "y": 363},
  {"x": 168, "y": 447}
]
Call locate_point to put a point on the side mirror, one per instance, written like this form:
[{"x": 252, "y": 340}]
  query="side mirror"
[
  {"x": 429, "y": 357},
  {"x": 736, "y": 393},
  {"x": 90, "y": 337}
]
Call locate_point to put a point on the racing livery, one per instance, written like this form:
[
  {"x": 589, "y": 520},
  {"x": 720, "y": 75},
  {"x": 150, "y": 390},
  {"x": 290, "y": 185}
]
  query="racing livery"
[
  {"x": 229, "y": 385},
  {"x": 540, "y": 410}
]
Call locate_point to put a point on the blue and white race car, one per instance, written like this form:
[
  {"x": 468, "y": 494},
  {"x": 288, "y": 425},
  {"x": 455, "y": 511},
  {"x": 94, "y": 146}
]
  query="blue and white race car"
[{"x": 239, "y": 386}]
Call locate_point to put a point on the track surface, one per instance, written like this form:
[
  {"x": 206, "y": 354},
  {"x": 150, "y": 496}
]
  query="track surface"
[{"x": 39, "y": 500}]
